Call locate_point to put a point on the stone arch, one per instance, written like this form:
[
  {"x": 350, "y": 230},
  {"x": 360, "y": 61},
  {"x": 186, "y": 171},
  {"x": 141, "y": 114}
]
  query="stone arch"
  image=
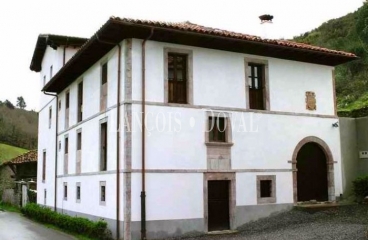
[{"x": 330, "y": 165}]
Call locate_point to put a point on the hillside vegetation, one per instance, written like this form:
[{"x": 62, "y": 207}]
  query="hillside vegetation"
[
  {"x": 348, "y": 33},
  {"x": 18, "y": 127},
  {"x": 8, "y": 152}
]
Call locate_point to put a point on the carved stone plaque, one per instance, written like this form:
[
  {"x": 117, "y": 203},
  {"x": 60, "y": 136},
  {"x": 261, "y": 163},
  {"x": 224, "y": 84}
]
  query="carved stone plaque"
[{"x": 310, "y": 100}]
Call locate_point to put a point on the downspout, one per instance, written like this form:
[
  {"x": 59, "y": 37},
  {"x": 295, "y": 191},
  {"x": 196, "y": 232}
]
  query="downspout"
[
  {"x": 56, "y": 146},
  {"x": 143, "y": 193},
  {"x": 117, "y": 139}
]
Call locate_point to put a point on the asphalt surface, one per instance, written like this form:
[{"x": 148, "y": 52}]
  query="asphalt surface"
[
  {"x": 343, "y": 223},
  {"x": 14, "y": 226}
]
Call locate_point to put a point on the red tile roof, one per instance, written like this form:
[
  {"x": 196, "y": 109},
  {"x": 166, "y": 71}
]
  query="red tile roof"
[
  {"x": 191, "y": 27},
  {"x": 27, "y": 157},
  {"x": 185, "y": 33}
]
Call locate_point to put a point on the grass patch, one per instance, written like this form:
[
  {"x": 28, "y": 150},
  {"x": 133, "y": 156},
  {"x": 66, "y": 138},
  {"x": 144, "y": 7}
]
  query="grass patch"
[
  {"x": 9, "y": 208},
  {"x": 8, "y": 152}
]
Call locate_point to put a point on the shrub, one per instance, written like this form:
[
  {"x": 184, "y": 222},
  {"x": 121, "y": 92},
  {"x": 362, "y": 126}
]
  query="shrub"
[
  {"x": 360, "y": 187},
  {"x": 78, "y": 225}
]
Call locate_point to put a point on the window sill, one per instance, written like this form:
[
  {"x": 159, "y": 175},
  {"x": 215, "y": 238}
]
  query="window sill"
[
  {"x": 219, "y": 144},
  {"x": 268, "y": 200}
]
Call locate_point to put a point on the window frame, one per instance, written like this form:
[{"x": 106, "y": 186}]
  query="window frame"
[
  {"x": 102, "y": 122},
  {"x": 214, "y": 129},
  {"x": 272, "y": 198},
  {"x": 44, "y": 157},
  {"x": 189, "y": 74},
  {"x": 265, "y": 82},
  {"x": 228, "y": 130}
]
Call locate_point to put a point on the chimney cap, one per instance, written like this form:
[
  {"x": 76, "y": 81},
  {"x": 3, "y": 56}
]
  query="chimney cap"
[{"x": 266, "y": 18}]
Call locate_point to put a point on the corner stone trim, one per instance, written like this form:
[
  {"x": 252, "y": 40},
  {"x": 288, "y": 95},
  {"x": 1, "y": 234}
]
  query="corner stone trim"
[{"x": 330, "y": 166}]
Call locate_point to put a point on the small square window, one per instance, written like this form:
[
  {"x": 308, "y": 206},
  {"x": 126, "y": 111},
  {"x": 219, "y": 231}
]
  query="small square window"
[{"x": 266, "y": 189}]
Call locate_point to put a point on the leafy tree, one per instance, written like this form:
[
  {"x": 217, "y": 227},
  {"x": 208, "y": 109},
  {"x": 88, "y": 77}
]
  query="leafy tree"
[
  {"x": 8, "y": 104},
  {"x": 21, "y": 103}
]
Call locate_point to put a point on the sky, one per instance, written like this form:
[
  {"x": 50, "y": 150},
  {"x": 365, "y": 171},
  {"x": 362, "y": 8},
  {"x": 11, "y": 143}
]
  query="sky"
[{"x": 21, "y": 21}]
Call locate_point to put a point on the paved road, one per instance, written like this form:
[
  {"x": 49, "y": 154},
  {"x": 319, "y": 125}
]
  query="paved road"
[{"x": 15, "y": 227}]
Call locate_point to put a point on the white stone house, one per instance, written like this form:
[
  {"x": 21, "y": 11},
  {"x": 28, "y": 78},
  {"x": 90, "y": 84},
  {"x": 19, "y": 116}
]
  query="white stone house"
[{"x": 273, "y": 142}]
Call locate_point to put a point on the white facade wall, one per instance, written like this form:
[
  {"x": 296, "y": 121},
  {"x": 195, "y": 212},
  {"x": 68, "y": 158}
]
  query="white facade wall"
[{"x": 218, "y": 82}]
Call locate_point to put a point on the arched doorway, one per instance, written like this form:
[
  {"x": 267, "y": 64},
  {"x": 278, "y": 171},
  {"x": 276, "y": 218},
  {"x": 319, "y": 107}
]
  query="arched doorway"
[{"x": 312, "y": 173}]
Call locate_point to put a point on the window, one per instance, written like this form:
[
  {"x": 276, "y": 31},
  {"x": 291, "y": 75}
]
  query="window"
[
  {"x": 256, "y": 82},
  {"x": 50, "y": 71},
  {"x": 59, "y": 105},
  {"x": 67, "y": 101},
  {"x": 79, "y": 141},
  {"x": 79, "y": 151},
  {"x": 266, "y": 189},
  {"x": 66, "y": 156},
  {"x": 217, "y": 129},
  {"x": 65, "y": 191},
  {"x": 78, "y": 192},
  {"x": 50, "y": 116},
  {"x": 104, "y": 74},
  {"x": 44, "y": 166},
  {"x": 80, "y": 101},
  {"x": 59, "y": 146},
  {"x": 44, "y": 80},
  {"x": 103, "y": 146},
  {"x": 102, "y": 193},
  {"x": 66, "y": 147},
  {"x": 44, "y": 196},
  {"x": 177, "y": 77},
  {"x": 103, "y": 93}
]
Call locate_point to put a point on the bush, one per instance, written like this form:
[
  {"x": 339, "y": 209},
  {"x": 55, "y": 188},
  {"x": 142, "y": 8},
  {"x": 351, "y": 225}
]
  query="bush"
[
  {"x": 78, "y": 225},
  {"x": 360, "y": 187}
]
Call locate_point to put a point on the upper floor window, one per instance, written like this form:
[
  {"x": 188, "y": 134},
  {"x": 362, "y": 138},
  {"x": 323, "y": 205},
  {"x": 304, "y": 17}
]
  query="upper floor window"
[
  {"x": 102, "y": 193},
  {"x": 103, "y": 94},
  {"x": 50, "y": 116},
  {"x": 44, "y": 165},
  {"x": 177, "y": 77},
  {"x": 44, "y": 80},
  {"x": 80, "y": 101},
  {"x": 103, "y": 146},
  {"x": 79, "y": 141},
  {"x": 50, "y": 71},
  {"x": 256, "y": 82},
  {"x": 67, "y": 102},
  {"x": 217, "y": 129}
]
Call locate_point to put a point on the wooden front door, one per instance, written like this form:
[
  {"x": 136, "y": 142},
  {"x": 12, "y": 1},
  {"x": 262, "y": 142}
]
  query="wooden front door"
[
  {"x": 312, "y": 173},
  {"x": 218, "y": 205}
]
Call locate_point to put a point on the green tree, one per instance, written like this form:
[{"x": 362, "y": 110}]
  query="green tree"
[
  {"x": 21, "y": 103},
  {"x": 8, "y": 104}
]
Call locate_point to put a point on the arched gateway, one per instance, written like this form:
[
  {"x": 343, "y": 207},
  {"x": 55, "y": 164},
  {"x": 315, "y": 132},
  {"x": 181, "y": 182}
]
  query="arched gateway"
[{"x": 314, "y": 175}]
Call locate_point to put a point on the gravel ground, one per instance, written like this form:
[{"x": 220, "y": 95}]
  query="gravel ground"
[{"x": 347, "y": 222}]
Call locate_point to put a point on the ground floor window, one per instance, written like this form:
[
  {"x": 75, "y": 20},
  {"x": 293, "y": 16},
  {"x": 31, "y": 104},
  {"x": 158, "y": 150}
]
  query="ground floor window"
[{"x": 266, "y": 189}]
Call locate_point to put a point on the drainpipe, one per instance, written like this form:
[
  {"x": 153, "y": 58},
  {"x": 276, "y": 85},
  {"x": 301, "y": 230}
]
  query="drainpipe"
[
  {"x": 143, "y": 193},
  {"x": 117, "y": 139},
  {"x": 56, "y": 147}
]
